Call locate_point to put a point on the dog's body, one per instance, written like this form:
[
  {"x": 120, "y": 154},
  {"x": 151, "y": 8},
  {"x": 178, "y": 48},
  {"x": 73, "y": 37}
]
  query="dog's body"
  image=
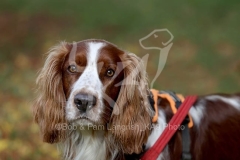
[
  {"x": 215, "y": 133},
  {"x": 103, "y": 91}
]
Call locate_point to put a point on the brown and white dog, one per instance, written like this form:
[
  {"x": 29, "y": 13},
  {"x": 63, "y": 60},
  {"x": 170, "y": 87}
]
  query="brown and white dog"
[{"x": 95, "y": 104}]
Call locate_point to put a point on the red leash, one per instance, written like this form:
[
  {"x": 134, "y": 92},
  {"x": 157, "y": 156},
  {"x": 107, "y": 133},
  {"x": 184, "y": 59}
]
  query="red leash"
[{"x": 156, "y": 149}]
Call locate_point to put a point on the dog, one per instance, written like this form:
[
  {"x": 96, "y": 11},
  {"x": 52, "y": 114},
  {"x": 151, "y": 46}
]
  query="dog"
[{"x": 94, "y": 101}]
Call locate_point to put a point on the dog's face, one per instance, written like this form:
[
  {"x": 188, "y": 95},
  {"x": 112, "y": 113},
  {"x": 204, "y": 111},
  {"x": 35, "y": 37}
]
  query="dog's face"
[{"x": 92, "y": 84}]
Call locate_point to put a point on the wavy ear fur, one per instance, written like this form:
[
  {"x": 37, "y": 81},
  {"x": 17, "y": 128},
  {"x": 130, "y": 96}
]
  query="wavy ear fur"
[
  {"x": 131, "y": 118},
  {"x": 48, "y": 108}
]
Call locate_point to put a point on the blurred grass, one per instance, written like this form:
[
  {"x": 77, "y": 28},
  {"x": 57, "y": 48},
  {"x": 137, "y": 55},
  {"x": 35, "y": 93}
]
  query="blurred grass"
[{"x": 204, "y": 58}]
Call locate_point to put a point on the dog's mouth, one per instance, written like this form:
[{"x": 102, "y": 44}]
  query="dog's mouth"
[
  {"x": 83, "y": 121},
  {"x": 82, "y": 118}
]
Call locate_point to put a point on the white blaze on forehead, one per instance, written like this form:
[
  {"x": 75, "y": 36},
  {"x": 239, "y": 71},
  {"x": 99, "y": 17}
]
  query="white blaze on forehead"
[
  {"x": 88, "y": 83},
  {"x": 89, "y": 78}
]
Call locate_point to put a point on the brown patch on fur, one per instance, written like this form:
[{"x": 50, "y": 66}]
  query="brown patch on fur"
[
  {"x": 109, "y": 58},
  {"x": 81, "y": 61},
  {"x": 48, "y": 109},
  {"x": 132, "y": 108},
  {"x": 219, "y": 131}
]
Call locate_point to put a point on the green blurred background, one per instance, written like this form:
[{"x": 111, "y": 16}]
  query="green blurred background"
[{"x": 204, "y": 57}]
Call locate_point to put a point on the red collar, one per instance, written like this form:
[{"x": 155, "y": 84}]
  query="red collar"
[{"x": 156, "y": 149}]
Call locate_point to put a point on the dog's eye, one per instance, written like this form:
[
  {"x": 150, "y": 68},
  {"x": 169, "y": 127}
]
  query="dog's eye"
[
  {"x": 72, "y": 68},
  {"x": 110, "y": 73}
]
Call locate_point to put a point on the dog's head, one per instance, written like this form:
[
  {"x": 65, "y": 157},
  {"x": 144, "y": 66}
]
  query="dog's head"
[{"x": 93, "y": 82}]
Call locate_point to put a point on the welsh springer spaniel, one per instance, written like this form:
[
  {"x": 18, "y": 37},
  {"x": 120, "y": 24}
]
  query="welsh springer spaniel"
[{"x": 94, "y": 102}]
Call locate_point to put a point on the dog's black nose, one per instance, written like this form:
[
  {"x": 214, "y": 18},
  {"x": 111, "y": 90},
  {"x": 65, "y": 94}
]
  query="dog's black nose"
[{"x": 84, "y": 102}]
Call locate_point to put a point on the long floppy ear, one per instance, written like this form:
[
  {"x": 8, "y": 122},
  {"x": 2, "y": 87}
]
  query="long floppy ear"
[
  {"x": 48, "y": 108},
  {"x": 131, "y": 118}
]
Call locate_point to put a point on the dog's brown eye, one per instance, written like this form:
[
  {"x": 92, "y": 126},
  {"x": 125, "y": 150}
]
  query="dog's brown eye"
[
  {"x": 72, "y": 68},
  {"x": 110, "y": 72}
]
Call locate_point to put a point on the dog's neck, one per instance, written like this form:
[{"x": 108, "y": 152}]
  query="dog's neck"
[{"x": 84, "y": 144}]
